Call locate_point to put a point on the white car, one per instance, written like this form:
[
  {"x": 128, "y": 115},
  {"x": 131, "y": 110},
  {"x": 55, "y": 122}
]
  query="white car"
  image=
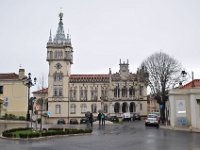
[{"x": 152, "y": 120}]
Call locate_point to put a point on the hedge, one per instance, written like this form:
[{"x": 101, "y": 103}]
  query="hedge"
[{"x": 51, "y": 132}]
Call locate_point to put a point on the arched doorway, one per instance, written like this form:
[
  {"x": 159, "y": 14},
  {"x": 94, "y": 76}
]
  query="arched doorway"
[
  {"x": 132, "y": 107},
  {"x": 124, "y": 107},
  {"x": 116, "y": 107}
]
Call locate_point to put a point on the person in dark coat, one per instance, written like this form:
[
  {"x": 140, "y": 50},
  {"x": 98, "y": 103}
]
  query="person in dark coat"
[
  {"x": 99, "y": 118},
  {"x": 91, "y": 119}
]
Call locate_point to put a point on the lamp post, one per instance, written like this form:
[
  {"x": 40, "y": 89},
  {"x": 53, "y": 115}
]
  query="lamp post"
[{"x": 28, "y": 82}]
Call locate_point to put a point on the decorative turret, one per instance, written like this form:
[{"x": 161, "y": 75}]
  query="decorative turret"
[{"x": 59, "y": 39}]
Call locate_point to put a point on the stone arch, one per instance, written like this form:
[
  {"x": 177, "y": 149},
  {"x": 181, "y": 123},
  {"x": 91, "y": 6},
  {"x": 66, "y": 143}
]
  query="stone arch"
[
  {"x": 116, "y": 107},
  {"x": 124, "y": 107},
  {"x": 132, "y": 107}
]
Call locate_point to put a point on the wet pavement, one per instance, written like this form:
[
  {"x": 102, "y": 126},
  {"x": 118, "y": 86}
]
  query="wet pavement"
[{"x": 125, "y": 136}]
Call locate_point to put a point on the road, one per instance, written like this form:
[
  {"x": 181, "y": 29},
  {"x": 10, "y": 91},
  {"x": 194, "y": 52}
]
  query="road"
[{"x": 125, "y": 136}]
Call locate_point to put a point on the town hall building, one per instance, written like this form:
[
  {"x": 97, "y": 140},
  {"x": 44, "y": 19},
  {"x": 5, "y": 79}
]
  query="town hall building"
[{"x": 70, "y": 96}]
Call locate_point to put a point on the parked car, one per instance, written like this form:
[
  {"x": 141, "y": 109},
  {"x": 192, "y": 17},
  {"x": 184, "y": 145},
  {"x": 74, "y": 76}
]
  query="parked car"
[
  {"x": 61, "y": 121},
  {"x": 152, "y": 120},
  {"x": 136, "y": 116},
  {"x": 126, "y": 116},
  {"x": 83, "y": 121},
  {"x": 113, "y": 119},
  {"x": 73, "y": 121}
]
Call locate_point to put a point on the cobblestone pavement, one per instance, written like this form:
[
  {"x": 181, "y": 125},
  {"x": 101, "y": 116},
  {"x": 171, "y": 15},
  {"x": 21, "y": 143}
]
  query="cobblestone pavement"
[{"x": 125, "y": 136}]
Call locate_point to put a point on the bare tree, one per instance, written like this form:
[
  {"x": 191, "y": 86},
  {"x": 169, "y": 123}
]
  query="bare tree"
[{"x": 164, "y": 73}]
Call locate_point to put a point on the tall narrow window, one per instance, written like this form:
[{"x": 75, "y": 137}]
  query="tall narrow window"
[
  {"x": 60, "y": 91},
  {"x": 105, "y": 108},
  {"x": 58, "y": 109},
  {"x": 55, "y": 93},
  {"x": 141, "y": 90},
  {"x": 73, "y": 108},
  {"x": 115, "y": 92},
  {"x": 83, "y": 108},
  {"x": 124, "y": 92},
  {"x": 94, "y": 108}
]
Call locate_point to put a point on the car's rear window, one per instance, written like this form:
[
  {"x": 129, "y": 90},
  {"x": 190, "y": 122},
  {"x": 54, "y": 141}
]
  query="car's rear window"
[{"x": 152, "y": 116}]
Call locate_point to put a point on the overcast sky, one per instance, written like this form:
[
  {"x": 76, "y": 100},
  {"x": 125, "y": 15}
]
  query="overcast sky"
[{"x": 102, "y": 32}]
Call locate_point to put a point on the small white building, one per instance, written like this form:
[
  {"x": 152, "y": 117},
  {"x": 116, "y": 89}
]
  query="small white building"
[{"x": 185, "y": 106}]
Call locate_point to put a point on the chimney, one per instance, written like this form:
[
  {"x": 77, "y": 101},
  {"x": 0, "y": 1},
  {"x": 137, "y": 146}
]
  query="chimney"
[
  {"x": 193, "y": 79},
  {"x": 21, "y": 73}
]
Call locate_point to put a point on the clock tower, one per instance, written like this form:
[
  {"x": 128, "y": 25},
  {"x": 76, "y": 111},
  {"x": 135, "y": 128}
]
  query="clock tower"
[
  {"x": 60, "y": 59},
  {"x": 124, "y": 70}
]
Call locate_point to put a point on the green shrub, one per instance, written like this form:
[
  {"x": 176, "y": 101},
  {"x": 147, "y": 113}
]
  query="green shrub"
[
  {"x": 11, "y": 117},
  {"x": 22, "y": 118},
  {"x": 29, "y": 135}
]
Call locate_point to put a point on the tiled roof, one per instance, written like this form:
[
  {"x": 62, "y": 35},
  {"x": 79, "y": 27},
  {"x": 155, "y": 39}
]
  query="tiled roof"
[
  {"x": 9, "y": 76},
  {"x": 42, "y": 91},
  {"x": 89, "y": 76},
  {"x": 194, "y": 83}
]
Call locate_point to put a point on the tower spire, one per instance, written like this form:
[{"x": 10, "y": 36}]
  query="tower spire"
[{"x": 60, "y": 35}]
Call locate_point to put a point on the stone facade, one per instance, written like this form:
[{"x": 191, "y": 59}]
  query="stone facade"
[{"x": 70, "y": 96}]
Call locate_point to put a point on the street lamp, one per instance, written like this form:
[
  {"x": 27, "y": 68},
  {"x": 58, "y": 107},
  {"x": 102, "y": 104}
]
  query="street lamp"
[{"x": 28, "y": 82}]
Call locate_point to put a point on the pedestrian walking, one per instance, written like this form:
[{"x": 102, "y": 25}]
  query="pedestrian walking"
[
  {"x": 99, "y": 118},
  {"x": 103, "y": 117},
  {"x": 91, "y": 119}
]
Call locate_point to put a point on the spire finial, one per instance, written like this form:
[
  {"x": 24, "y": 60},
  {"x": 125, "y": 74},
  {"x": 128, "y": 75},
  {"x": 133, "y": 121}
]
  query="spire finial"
[{"x": 61, "y": 13}]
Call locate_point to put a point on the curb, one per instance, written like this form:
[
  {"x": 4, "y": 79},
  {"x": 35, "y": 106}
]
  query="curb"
[{"x": 181, "y": 129}]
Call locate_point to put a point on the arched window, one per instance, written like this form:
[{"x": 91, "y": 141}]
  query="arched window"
[
  {"x": 124, "y": 107},
  {"x": 116, "y": 107},
  {"x": 73, "y": 108},
  {"x": 132, "y": 107},
  {"x": 83, "y": 108}
]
